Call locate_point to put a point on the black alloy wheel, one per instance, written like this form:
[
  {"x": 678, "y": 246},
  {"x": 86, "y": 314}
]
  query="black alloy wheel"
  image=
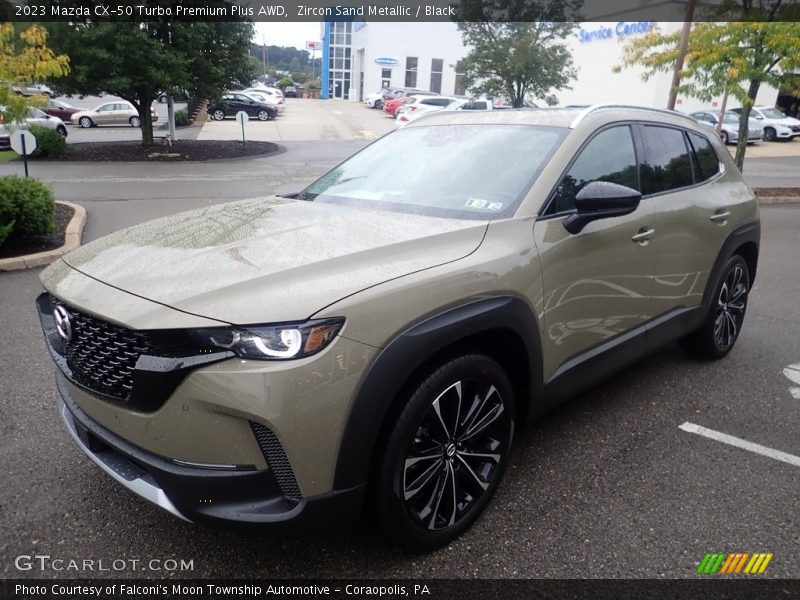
[{"x": 447, "y": 453}]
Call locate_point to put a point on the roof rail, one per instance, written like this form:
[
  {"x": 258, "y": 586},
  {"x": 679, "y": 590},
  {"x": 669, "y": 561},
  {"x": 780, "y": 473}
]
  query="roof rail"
[{"x": 594, "y": 107}]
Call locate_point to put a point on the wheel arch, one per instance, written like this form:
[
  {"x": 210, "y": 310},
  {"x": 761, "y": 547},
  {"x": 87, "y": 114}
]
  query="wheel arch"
[
  {"x": 504, "y": 328},
  {"x": 743, "y": 240}
]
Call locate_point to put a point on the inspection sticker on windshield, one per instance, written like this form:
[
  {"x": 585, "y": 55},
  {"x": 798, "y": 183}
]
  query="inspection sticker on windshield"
[{"x": 481, "y": 203}]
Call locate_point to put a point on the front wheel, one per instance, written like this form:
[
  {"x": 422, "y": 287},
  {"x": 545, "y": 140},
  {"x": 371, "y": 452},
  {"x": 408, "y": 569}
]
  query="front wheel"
[
  {"x": 446, "y": 453},
  {"x": 770, "y": 135},
  {"x": 85, "y": 122},
  {"x": 378, "y": 104},
  {"x": 719, "y": 332},
  {"x": 62, "y": 131},
  {"x": 135, "y": 121},
  {"x": 724, "y": 136}
]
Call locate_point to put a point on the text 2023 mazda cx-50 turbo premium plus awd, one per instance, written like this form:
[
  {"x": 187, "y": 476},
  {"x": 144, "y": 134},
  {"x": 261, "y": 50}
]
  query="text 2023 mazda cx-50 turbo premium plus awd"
[{"x": 375, "y": 340}]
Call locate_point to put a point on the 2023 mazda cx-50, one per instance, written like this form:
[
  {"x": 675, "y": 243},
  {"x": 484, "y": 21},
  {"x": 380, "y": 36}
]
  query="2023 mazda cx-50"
[{"x": 375, "y": 340}]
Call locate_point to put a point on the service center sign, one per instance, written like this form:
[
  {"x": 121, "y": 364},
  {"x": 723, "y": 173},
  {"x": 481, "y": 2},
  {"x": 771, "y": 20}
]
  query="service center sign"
[
  {"x": 387, "y": 61},
  {"x": 621, "y": 29}
]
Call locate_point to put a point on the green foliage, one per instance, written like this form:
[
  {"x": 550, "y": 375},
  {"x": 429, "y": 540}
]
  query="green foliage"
[
  {"x": 314, "y": 84},
  {"x": 518, "y": 59},
  {"x": 281, "y": 58},
  {"x": 27, "y": 208},
  {"x": 49, "y": 143},
  {"x": 282, "y": 83},
  {"x": 24, "y": 58},
  {"x": 181, "y": 118},
  {"x": 137, "y": 60},
  {"x": 736, "y": 56}
]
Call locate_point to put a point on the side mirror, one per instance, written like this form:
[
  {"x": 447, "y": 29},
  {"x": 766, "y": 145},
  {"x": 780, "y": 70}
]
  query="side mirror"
[{"x": 601, "y": 200}]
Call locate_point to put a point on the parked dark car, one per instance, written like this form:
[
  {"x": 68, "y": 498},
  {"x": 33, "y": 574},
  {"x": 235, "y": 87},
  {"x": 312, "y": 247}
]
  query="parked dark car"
[
  {"x": 60, "y": 109},
  {"x": 179, "y": 97},
  {"x": 230, "y": 104},
  {"x": 290, "y": 91}
]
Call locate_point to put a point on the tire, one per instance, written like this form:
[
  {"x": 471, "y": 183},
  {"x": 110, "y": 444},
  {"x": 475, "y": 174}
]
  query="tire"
[
  {"x": 720, "y": 330},
  {"x": 162, "y": 99},
  {"x": 263, "y": 115},
  {"x": 431, "y": 482},
  {"x": 85, "y": 122},
  {"x": 770, "y": 135},
  {"x": 218, "y": 114},
  {"x": 62, "y": 131},
  {"x": 724, "y": 136},
  {"x": 378, "y": 104},
  {"x": 135, "y": 122}
]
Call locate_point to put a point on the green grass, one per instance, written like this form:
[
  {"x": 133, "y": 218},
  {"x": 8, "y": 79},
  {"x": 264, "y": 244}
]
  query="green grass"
[{"x": 7, "y": 155}]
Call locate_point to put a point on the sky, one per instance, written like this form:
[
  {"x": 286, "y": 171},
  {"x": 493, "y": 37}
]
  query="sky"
[{"x": 287, "y": 34}]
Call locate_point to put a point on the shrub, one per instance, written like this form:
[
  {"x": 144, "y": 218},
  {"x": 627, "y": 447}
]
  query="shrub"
[
  {"x": 49, "y": 142},
  {"x": 27, "y": 208},
  {"x": 181, "y": 118},
  {"x": 284, "y": 82}
]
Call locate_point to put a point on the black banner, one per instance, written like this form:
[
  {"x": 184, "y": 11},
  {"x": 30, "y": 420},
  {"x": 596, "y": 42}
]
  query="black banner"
[
  {"x": 395, "y": 10},
  {"x": 586, "y": 589}
]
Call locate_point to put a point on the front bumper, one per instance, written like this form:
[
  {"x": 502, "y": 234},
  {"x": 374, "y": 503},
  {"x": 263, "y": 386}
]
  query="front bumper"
[{"x": 194, "y": 493}]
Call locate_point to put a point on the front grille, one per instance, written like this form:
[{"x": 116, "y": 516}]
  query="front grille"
[
  {"x": 276, "y": 459},
  {"x": 102, "y": 356}
]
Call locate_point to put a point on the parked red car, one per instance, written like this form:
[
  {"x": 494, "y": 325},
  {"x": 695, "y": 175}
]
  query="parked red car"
[
  {"x": 62, "y": 110},
  {"x": 390, "y": 107}
]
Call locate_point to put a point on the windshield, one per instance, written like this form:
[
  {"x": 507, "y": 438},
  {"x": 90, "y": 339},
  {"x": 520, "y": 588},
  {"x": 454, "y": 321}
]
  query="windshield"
[
  {"x": 458, "y": 171},
  {"x": 772, "y": 113}
]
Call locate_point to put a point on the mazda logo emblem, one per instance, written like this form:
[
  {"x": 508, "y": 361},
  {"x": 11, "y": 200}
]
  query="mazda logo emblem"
[{"x": 63, "y": 324}]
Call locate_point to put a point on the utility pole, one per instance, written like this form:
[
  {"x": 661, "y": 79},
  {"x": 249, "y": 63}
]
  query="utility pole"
[
  {"x": 688, "y": 15},
  {"x": 264, "y": 53}
]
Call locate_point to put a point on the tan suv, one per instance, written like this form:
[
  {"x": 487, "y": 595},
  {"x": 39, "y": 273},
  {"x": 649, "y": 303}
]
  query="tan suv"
[{"x": 375, "y": 340}]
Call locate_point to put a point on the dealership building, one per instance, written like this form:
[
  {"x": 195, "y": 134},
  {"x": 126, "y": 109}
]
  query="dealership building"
[{"x": 363, "y": 57}]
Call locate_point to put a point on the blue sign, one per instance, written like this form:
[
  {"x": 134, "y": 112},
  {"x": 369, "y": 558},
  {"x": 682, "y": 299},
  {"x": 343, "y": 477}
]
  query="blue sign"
[
  {"x": 622, "y": 29},
  {"x": 387, "y": 61}
]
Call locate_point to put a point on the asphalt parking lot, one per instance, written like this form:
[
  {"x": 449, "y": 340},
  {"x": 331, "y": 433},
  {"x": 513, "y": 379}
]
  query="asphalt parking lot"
[{"x": 606, "y": 486}]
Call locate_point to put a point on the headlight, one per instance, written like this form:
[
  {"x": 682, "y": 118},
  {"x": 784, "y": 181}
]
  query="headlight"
[{"x": 272, "y": 342}]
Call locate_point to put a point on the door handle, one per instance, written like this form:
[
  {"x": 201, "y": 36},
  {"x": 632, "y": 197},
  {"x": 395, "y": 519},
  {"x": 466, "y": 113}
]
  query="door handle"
[
  {"x": 720, "y": 216},
  {"x": 644, "y": 236}
]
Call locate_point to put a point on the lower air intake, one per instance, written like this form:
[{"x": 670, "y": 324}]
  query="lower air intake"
[{"x": 276, "y": 459}]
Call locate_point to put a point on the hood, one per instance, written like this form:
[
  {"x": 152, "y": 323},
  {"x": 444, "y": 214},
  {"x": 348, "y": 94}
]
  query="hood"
[{"x": 270, "y": 259}]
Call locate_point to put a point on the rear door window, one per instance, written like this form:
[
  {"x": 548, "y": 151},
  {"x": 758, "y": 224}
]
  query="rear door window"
[{"x": 707, "y": 159}]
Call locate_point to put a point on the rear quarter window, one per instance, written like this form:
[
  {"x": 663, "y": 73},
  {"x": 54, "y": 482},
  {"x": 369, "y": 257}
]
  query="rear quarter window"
[{"x": 707, "y": 159}]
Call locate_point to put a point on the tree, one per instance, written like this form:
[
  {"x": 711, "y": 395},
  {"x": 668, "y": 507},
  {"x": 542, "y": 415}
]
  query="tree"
[
  {"x": 735, "y": 56},
  {"x": 24, "y": 59},
  {"x": 137, "y": 61},
  {"x": 285, "y": 82},
  {"x": 516, "y": 59}
]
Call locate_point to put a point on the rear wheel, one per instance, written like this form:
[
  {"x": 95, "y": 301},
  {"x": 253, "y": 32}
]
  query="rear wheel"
[
  {"x": 446, "y": 454},
  {"x": 263, "y": 115},
  {"x": 718, "y": 334},
  {"x": 724, "y": 136},
  {"x": 218, "y": 114},
  {"x": 135, "y": 121}
]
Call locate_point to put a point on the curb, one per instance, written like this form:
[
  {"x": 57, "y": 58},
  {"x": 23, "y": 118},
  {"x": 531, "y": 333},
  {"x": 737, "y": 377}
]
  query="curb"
[
  {"x": 780, "y": 200},
  {"x": 72, "y": 239}
]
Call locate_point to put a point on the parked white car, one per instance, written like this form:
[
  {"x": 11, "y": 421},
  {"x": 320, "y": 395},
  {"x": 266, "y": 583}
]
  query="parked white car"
[
  {"x": 729, "y": 131},
  {"x": 454, "y": 104},
  {"x": 266, "y": 96},
  {"x": 777, "y": 126},
  {"x": 34, "y": 116},
  {"x": 374, "y": 100}
]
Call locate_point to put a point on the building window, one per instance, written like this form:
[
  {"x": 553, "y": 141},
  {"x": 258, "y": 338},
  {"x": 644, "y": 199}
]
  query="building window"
[
  {"x": 436, "y": 75},
  {"x": 386, "y": 73},
  {"x": 411, "y": 71},
  {"x": 460, "y": 87}
]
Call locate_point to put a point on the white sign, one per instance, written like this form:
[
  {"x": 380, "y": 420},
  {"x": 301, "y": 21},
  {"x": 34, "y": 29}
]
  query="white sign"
[
  {"x": 387, "y": 61},
  {"x": 313, "y": 45},
  {"x": 242, "y": 117},
  {"x": 16, "y": 141}
]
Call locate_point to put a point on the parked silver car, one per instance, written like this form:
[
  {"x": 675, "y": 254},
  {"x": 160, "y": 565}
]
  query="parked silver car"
[
  {"x": 729, "y": 132},
  {"x": 117, "y": 112}
]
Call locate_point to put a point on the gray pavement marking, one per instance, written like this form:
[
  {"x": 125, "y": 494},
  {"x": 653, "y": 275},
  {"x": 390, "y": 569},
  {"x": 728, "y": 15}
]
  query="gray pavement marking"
[{"x": 740, "y": 443}]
